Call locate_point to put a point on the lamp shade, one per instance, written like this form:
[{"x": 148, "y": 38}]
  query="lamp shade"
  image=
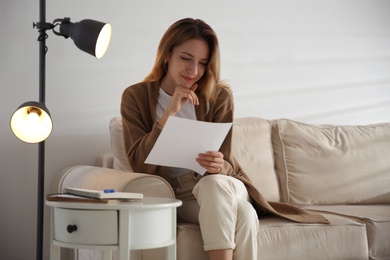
[
  {"x": 31, "y": 122},
  {"x": 88, "y": 35}
]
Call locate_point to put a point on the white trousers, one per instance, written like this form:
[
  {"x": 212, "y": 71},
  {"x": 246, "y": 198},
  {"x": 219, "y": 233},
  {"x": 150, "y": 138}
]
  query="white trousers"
[{"x": 227, "y": 218}]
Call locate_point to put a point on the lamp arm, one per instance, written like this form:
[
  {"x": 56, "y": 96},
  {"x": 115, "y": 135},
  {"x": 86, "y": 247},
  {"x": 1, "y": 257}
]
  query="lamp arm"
[
  {"x": 60, "y": 21},
  {"x": 43, "y": 27}
]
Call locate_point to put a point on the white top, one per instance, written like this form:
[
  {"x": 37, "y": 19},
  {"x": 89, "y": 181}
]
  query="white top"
[{"x": 187, "y": 111}]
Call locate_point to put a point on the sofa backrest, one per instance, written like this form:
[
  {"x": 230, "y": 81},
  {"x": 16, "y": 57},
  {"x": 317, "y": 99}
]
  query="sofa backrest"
[
  {"x": 332, "y": 164},
  {"x": 252, "y": 147},
  {"x": 304, "y": 164}
]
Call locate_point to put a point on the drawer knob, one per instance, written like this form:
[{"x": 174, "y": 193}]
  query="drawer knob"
[{"x": 71, "y": 228}]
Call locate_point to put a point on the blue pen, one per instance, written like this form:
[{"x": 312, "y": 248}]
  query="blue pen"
[{"x": 109, "y": 191}]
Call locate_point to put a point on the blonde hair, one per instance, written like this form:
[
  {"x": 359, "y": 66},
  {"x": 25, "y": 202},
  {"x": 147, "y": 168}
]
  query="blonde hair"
[{"x": 178, "y": 33}]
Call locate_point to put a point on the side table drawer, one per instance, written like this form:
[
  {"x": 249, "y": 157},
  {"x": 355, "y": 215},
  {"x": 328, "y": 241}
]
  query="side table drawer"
[{"x": 87, "y": 227}]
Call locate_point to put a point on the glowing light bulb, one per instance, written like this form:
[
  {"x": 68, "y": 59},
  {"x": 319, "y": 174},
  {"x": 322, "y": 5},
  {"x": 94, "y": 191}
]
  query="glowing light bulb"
[{"x": 33, "y": 118}]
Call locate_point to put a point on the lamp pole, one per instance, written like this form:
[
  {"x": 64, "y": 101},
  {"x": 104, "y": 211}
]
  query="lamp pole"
[{"x": 41, "y": 145}]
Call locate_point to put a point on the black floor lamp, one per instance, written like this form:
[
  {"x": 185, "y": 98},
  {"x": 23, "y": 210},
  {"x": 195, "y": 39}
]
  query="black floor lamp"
[{"x": 31, "y": 122}]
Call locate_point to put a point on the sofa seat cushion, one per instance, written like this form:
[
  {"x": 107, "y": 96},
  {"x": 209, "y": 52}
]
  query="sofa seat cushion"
[
  {"x": 344, "y": 238},
  {"x": 377, "y": 221},
  {"x": 332, "y": 164},
  {"x": 190, "y": 242}
]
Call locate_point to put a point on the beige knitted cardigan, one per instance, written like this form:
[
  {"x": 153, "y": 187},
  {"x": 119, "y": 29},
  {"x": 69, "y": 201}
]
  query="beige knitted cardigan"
[{"x": 140, "y": 132}]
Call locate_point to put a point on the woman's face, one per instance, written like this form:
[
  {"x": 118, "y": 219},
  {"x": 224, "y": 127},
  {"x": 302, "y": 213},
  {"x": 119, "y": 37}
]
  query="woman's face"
[{"x": 187, "y": 63}]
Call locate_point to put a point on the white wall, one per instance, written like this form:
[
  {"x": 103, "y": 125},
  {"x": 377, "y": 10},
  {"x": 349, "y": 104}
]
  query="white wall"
[{"x": 313, "y": 61}]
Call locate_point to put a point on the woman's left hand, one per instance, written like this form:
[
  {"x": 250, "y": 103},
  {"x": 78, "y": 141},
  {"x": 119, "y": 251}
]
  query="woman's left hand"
[{"x": 212, "y": 161}]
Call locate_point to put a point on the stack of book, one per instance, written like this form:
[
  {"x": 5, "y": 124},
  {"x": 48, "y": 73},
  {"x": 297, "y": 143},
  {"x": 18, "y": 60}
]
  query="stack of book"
[{"x": 93, "y": 196}]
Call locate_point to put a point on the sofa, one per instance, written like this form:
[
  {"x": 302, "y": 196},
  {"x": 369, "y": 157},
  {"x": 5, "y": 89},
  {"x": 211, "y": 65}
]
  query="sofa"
[{"x": 343, "y": 172}]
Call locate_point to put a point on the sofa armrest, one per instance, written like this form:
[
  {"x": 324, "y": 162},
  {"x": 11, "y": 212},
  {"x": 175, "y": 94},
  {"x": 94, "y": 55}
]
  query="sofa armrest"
[{"x": 92, "y": 177}]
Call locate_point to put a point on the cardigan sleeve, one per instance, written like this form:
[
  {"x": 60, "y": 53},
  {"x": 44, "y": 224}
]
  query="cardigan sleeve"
[{"x": 139, "y": 131}]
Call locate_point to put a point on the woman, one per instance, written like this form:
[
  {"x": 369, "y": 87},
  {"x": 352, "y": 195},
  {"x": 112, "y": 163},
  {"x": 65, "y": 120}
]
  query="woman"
[{"x": 185, "y": 82}]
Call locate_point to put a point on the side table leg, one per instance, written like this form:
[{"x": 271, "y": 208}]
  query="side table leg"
[
  {"x": 171, "y": 252},
  {"x": 55, "y": 251},
  {"x": 124, "y": 235},
  {"x": 107, "y": 255}
]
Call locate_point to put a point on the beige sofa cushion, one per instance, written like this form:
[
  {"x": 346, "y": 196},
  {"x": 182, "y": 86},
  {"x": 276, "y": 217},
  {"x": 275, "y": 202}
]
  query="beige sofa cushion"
[
  {"x": 333, "y": 164},
  {"x": 279, "y": 239},
  {"x": 117, "y": 145},
  {"x": 252, "y": 147},
  {"x": 343, "y": 239},
  {"x": 376, "y": 218}
]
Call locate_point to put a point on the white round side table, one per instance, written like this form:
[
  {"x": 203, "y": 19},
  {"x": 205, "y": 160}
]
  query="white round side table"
[{"x": 123, "y": 226}]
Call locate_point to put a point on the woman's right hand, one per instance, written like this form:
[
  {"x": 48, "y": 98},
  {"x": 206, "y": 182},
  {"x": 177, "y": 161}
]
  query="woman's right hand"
[{"x": 180, "y": 96}]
